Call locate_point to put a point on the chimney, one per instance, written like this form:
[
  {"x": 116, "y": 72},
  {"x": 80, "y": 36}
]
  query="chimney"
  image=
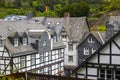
[
  {"x": 95, "y": 27},
  {"x": 46, "y": 8}
]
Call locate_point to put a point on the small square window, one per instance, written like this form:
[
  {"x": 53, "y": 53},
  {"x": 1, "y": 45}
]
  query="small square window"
[
  {"x": 44, "y": 43},
  {"x": 70, "y": 46},
  {"x": 70, "y": 59},
  {"x": 86, "y": 51}
]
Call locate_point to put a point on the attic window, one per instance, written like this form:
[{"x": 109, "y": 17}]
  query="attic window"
[
  {"x": 15, "y": 42},
  {"x": 24, "y": 41},
  {"x": 91, "y": 40}
]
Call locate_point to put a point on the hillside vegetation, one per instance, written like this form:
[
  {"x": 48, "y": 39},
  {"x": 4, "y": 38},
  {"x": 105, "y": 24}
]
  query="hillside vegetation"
[{"x": 76, "y": 8}]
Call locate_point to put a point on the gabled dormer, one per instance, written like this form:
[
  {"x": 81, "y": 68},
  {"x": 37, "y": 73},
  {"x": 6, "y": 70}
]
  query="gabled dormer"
[
  {"x": 64, "y": 34},
  {"x": 14, "y": 38},
  {"x": 24, "y": 39}
]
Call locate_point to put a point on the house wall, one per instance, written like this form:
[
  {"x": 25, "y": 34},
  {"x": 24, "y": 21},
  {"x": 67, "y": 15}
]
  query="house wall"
[
  {"x": 48, "y": 66},
  {"x": 70, "y": 53},
  {"x": 106, "y": 59},
  {"x": 90, "y": 46}
]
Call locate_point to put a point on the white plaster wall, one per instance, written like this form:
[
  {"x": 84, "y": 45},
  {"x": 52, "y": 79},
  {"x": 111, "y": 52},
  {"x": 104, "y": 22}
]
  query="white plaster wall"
[
  {"x": 81, "y": 71},
  {"x": 92, "y": 78},
  {"x": 117, "y": 40},
  {"x": 104, "y": 59},
  {"x": 70, "y": 53},
  {"x": 94, "y": 59},
  {"x": 106, "y": 50},
  {"x": 92, "y": 71},
  {"x": 81, "y": 76},
  {"x": 115, "y": 49},
  {"x": 116, "y": 60}
]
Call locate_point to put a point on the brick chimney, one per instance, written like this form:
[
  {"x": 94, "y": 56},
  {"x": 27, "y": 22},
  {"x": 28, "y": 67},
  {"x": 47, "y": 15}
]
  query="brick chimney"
[
  {"x": 46, "y": 8},
  {"x": 95, "y": 27}
]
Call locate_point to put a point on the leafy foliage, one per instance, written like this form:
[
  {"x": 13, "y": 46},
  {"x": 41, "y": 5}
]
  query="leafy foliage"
[{"x": 92, "y": 8}]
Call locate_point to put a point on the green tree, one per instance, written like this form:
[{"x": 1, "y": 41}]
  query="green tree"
[
  {"x": 76, "y": 9},
  {"x": 115, "y": 4}
]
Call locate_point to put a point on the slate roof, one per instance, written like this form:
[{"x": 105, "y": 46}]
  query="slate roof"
[
  {"x": 35, "y": 34},
  {"x": 70, "y": 25},
  {"x": 58, "y": 44},
  {"x": 19, "y": 50},
  {"x": 75, "y": 27},
  {"x": 96, "y": 52},
  {"x": 6, "y": 27}
]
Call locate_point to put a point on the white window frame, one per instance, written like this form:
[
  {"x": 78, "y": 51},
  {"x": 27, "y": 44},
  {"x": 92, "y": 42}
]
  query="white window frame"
[
  {"x": 33, "y": 59},
  {"x": 41, "y": 58},
  {"x": 15, "y": 42},
  {"x": 24, "y": 41},
  {"x": 22, "y": 61},
  {"x": 86, "y": 51}
]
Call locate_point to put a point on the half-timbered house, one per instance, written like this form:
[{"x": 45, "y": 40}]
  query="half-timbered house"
[
  {"x": 104, "y": 63},
  {"x": 30, "y": 47},
  {"x": 70, "y": 30}
]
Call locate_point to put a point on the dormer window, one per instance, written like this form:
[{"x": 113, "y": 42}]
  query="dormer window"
[
  {"x": 91, "y": 40},
  {"x": 15, "y": 42},
  {"x": 24, "y": 41}
]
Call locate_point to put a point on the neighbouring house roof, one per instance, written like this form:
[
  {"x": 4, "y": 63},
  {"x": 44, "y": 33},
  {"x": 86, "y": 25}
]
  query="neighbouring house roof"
[
  {"x": 70, "y": 25},
  {"x": 19, "y": 50},
  {"x": 114, "y": 18},
  {"x": 96, "y": 52},
  {"x": 58, "y": 44},
  {"x": 7, "y": 27},
  {"x": 75, "y": 27},
  {"x": 99, "y": 36},
  {"x": 35, "y": 34}
]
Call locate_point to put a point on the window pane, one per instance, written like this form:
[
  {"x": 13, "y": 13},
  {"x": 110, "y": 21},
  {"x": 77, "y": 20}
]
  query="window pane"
[
  {"x": 70, "y": 59},
  {"x": 22, "y": 63},
  {"x": 24, "y": 41},
  {"x": 15, "y": 42},
  {"x": 44, "y": 43},
  {"x": 32, "y": 59}
]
